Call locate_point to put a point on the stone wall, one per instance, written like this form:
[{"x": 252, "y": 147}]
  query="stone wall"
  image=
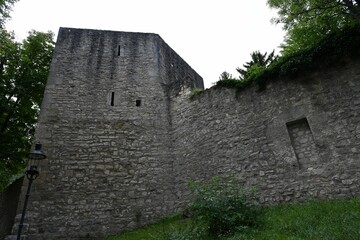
[
  {"x": 298, "y": 139},
  {"x": 105, "y": 125},
  {"x": 123, "y": 137},
  {"x": 8, "y": 204}
]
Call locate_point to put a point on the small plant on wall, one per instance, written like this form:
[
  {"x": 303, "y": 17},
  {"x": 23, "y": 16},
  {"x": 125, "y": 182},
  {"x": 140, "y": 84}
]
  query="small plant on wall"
[{"x": 195, "y": 92}]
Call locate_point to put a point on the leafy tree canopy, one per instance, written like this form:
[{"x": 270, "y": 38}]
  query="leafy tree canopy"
[
  {"x": 258, "y": 60},
  {"x": 225, "y": 76},
  {"x": 333, "y": 50},
  {"x": 5, "y": 8},
  {"x": 306, "y": 22},
  {"x": 24, "y": 69}
]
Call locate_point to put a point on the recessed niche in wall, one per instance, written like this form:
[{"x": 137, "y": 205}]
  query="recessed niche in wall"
[
  {"x": 302, "y": 141},
  {"x": 138, "y": 103},
  {"x": 118, "y": 52}
]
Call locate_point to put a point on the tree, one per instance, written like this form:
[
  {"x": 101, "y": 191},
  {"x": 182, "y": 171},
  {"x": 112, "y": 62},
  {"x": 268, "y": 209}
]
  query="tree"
[
  {"x": 225, "y": 76},
  {"x": 23, "y": 73},
  {"x": 308, "y": 21},
  {"x": 5, "y": 8},
  {"x": 258, "y": 60}
]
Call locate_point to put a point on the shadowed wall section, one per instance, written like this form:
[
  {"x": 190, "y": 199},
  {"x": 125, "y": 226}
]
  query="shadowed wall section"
[{"x": 8, "y": 203}]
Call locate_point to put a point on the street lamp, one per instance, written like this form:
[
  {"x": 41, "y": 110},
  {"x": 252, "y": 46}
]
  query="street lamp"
[{"x": 31, "y": 173}]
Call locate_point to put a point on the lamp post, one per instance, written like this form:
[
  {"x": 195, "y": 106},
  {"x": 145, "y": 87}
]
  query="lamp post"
[{"x": 31, "y": 173}]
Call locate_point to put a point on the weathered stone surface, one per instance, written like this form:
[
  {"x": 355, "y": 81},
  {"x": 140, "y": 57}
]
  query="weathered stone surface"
[
  {"x": 123, "y": 137},
  {"x": 292, "y": 141},
  {"x": 8, "y": 204}
]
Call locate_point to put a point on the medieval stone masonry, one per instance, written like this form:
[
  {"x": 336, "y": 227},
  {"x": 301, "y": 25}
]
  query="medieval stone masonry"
[{"x": 123, "y": 138}]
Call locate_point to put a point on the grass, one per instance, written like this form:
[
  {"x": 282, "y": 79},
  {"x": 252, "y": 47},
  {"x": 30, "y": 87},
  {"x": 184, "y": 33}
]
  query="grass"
[
  {"x": 173, "y": 223},
  {"x": 337, "y": 220},
  {"x": 329, "y": 220}
]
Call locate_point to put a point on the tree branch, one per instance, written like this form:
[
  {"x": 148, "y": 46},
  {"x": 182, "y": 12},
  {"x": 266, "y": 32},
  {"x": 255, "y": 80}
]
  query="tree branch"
[
  {"x": 307, "y": 11},
  {"x": 354, "y": 11}
]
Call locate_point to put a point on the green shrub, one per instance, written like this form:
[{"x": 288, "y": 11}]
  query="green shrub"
[
  {"x": 233, "y": 83},
  {"x": 224, "y": 207},
  {"x": 195, "y": 92}
]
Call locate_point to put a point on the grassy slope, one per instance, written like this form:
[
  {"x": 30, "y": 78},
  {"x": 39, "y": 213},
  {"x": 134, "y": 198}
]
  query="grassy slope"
[
  {"x": 337, "y": 220},
  {"x": 314, "y": 220}
]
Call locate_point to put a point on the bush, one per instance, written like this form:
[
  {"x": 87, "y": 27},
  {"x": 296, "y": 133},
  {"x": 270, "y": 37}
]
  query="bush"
[
  {"x": 195, "y": 92},
  {"x": 224, "y": 207}
]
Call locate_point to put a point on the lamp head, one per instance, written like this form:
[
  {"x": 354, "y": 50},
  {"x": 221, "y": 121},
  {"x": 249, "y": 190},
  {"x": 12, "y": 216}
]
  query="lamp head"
[{"x": 35, "y": 157}]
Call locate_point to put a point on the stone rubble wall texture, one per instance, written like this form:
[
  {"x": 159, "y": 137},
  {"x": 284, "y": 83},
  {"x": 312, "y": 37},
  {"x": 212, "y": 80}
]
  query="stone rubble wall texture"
[
  {"x": 258, "y": 135},
  {"x": 114, "y": 166}
]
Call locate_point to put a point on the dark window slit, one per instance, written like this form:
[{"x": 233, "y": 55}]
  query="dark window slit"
[{"x": 112, "y": 98}]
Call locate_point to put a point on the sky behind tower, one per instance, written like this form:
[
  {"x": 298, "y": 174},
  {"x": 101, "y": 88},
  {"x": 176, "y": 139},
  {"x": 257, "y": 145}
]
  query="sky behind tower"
[{"x": 212, "y": 36}]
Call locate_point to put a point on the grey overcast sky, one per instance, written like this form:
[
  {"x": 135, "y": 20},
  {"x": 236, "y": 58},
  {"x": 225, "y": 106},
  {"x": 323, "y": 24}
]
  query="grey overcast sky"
[{"x": 211, "y": 35}]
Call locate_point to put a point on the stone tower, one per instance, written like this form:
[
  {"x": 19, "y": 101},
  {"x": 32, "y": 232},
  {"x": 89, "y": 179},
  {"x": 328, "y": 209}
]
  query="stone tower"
[{"x": 105, "y": 125}]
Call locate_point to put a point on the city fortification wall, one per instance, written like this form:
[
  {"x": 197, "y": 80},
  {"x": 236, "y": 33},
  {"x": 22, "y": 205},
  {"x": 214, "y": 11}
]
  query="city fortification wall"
[
  {"x": 123, "y": 137},
  {"x": 296, "y": 140}
]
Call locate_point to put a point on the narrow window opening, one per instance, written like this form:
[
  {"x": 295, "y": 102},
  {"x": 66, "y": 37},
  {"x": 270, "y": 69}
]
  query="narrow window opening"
[
  {"x": 138, "y": 103},
  {"x": 112, "y": 99},
  {"x": 119, "y": 50}
]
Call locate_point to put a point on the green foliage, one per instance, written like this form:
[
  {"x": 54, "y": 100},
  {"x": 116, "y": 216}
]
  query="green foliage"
[
  {"x": 331, "y": 50},
  {"x": 225, "y": 76},
  {"x": 23, "y": 73},
  {"x": 253, "y": 77},
  {"x": 5, "y": 8},
  {"x": 319, "y": 33},
  {"x": 186, "y": 232},
  {"x": 233, "y": 83},
  {"x": 224, "y": 206},
  {"x": 174, "y": 227},
  {"x": 318, "y": 219},
  {"x": 258, "y": 61},
  {"x": 337, "y": 219},
  {"x": 195, "y": 92},
  {"x": 306, "y": 22}
]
